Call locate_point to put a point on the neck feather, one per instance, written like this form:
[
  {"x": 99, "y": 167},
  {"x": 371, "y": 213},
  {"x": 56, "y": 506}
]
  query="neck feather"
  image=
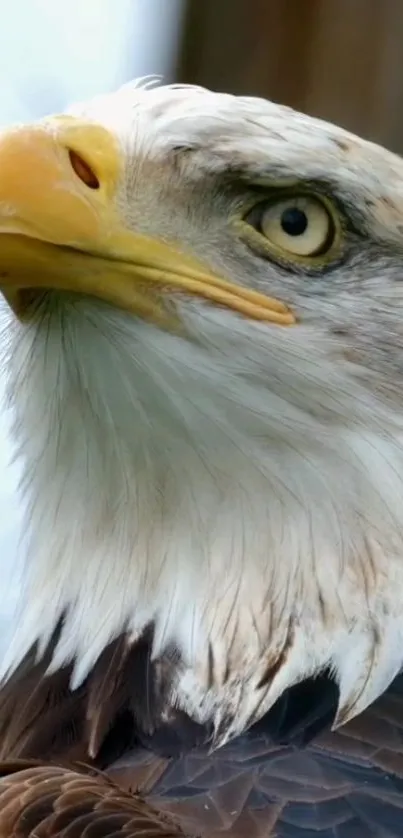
[{"x": 194, "y": 493}]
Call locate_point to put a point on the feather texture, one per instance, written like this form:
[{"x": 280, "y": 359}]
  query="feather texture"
[
  {"x": 37, "y": 801},
  {"x": 289, "y": 776},
  {"x": 214, "y": 515}
]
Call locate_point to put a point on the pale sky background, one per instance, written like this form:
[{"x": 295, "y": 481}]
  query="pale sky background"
[{"x": 52, "y": 53}]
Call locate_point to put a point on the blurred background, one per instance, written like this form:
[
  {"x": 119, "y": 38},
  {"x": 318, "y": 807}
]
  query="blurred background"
[
  {"x": 338, "y": 59},
  {"x": 341, "y": 60}
]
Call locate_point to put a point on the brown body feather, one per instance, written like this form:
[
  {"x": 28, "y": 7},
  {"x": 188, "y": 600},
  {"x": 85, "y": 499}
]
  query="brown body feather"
[
  {"x": 38, "y": 801},
  {"x": 347, "y": 784}
]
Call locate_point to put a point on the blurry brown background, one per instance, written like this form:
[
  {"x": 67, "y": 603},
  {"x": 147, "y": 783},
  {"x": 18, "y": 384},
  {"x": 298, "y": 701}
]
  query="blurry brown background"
[{"x": 341, "y": 60}]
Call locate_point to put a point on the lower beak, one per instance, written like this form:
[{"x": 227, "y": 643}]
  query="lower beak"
[{"x": 60, "y": 229}]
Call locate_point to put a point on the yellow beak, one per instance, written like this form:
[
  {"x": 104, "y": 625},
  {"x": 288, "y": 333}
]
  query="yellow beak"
[{"x": 60, "y": 228}]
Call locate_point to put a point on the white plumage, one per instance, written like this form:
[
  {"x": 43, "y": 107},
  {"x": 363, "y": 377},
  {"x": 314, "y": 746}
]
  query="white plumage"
[{"x": 240, "y": 484}]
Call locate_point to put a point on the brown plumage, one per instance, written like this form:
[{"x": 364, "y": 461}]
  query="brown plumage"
[
  {"x": 42, "y": 800},
  {"x": 274, "y": 781}
]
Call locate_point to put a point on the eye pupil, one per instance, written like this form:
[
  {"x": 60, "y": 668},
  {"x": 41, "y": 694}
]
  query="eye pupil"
[{"x": 294, "y": 221}]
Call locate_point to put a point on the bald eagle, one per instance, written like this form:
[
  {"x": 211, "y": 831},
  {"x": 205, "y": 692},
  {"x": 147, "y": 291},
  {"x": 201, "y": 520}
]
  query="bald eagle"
[{"x": 204, "y": 359}]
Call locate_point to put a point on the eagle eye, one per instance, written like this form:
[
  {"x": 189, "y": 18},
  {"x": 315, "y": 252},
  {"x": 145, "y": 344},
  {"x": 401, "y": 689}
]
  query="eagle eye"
[
  {"x": 295, "y": 227},
  {"x": 298, "y": 225}
]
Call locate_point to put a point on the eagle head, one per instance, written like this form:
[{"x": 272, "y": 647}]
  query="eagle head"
[{"x": 204, "y": 357}]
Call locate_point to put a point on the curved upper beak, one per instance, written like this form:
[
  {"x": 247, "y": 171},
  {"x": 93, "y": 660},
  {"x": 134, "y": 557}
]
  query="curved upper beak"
[{"x": 60, "y": 228}]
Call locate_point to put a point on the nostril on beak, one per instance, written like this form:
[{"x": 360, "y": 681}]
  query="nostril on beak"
[{"x": 83, "y": 170}]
